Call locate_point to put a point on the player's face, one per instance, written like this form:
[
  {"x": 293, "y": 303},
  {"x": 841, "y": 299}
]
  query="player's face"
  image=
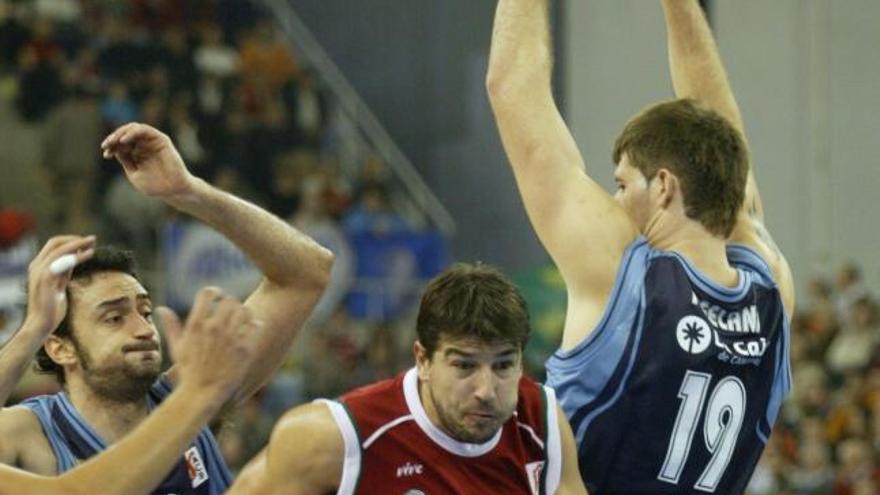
[
  {"x": 116, "y": 341},
  {"x": 472, "y": 387},
  {"x": 633, "y": 192}
]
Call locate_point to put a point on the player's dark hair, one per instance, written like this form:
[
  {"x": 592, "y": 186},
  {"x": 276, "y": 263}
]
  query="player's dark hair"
[
  {"x": 472, "y": 301},
  {"x": 106, "y": 259},
  {"x": 702, "y": 149}
]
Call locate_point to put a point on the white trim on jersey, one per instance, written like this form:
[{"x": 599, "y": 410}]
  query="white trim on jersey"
[
  {"x": 554, "y": 444},
  {"x": 414, "y": 403},
  {"x": 351, "y": 468},
  {"x": 531, "y": 431},
  {"x": 387, "y": 426}
]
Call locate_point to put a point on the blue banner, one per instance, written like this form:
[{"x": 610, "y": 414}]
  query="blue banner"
[{"x": 392, "y": 270}]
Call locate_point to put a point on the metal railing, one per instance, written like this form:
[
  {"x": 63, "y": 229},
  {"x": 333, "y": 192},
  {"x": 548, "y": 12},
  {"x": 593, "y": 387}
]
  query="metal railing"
[{"x": 298, "y": 34}]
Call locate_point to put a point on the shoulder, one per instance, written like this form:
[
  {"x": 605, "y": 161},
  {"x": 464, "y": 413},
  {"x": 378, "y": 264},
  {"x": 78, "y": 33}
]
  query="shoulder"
[
  {"x": 372, "y": 405},
  {"x": 307, "y": 441},
  {"x": 17, "y": 421},
  {"x": 368, "y": 393},
  {"x": 315, "y": 418},
  {"x": 754, "y": 236},
  {"x": 22, "y": 438}
]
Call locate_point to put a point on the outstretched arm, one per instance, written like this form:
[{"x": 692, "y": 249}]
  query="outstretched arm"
[
  {"x": 584, "y": 230},
  {"x": 47, "y": 304},
  {"x": 698, "y": 72},
  {"x": 137, "y": 463},
  {"x": 295, "y": 268}
]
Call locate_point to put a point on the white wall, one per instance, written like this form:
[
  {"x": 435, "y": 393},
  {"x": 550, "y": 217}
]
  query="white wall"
[{"x": 806, "y": 76}]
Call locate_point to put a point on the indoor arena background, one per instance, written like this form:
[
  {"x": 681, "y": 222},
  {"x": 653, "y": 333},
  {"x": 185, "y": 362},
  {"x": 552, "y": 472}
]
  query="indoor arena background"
[{"x": 366, "y": 124}]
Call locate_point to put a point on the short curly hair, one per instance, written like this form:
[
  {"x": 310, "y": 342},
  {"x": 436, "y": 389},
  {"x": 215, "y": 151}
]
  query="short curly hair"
[
  {"x": 106, "y": 259},
  {"x": 472, "y": 301}
]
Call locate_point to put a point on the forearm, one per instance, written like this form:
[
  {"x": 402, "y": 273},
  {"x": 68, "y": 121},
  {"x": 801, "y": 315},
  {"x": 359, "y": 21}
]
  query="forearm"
[
  {"x": 16, "y": 355},
  {"x": 521, "y": 56},
  {"x": 284, "y": 255},
  {"x": 694, "y": 61},
  {"x": 138, "y": 462}
]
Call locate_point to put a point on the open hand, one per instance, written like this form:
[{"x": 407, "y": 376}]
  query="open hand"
[
  {"x": 217, "y": 345},
  {"x": 149, "y": 159}
]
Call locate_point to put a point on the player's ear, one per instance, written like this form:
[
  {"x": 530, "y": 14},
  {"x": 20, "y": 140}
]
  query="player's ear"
[
  {"x": 667, "y": 184},
  {"x": 423, "y": 360},
  {"x": 61, "y": 350}
]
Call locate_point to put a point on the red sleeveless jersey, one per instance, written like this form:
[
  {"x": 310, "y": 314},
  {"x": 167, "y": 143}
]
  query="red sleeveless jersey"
[{"x": 393, "y": 448}]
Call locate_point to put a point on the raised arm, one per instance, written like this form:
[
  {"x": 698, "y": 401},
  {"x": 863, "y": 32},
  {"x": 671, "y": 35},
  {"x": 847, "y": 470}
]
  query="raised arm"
[
  {"x": 295, "y": 268},
  {"x": 305, "y": 456},
  {"x": 584, "y": 230},
  {"x": 211, "y": 357},
  {"x": 46, "y": 306},
  {"x": 698, "y": 72}
]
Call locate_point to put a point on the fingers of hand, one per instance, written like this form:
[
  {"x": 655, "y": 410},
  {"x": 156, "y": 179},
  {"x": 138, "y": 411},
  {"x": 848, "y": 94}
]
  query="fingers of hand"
[
  {"x": 171, "y": 325},
  {"x": 62, "y": 253},
  {"x": 224, "y": 311},
  {"x": 204, "y": 303},
  {"x": 114, "y": 137}
]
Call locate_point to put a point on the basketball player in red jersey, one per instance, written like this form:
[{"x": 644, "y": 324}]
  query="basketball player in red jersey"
[{"x": 464, "y": 420}]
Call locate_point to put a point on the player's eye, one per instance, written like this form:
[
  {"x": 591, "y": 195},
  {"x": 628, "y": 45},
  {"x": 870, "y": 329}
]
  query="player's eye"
[
  {"x": 463, "y": 365},
  {"x": 504, "y": 365},
  {"x": 114, "y": 319}
]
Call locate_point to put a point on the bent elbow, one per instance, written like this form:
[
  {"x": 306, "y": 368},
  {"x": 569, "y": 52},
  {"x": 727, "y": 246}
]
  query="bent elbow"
[
  {"x": 498, "y": 86},
  {"x": 325, "y": 261}
]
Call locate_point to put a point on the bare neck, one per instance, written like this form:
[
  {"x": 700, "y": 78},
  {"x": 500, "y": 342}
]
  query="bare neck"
[
  {"x": 707, "y": 252},
  {"x": 111, "y": 419}
]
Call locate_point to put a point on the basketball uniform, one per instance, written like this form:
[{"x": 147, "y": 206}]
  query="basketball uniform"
[
  {"x": 201, "y": 470},
  {"x": 679, "y": 385},
  {"x": 393, "y": 448}
]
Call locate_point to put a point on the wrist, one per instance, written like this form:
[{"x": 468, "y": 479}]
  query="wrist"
[
  {"x": 35, "y": 326},
  {"x": 211, "y": 396},
  {"x": 190, "y": 196}
]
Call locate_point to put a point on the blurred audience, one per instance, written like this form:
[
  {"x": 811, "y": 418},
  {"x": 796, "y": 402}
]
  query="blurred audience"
[
  {"x": 245, "y": 112},
  {"x": 827, "y": 438}
]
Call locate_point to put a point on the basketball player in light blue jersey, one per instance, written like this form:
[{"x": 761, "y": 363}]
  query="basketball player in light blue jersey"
[
  {"x": 105, "y": 350},
  {"x": 674, "y": 356},
  {"x": 213, "y": 334}
]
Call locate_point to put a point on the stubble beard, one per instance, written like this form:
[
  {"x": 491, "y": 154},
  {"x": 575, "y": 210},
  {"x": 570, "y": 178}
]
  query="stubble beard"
[
  {"x": 121, "y": 381},
  {"x": 456, "y": 428}
]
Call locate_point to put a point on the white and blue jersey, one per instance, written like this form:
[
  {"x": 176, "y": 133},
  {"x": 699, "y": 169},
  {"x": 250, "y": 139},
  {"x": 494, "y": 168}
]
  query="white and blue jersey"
[
  {"x": 678, "y": 387},
  {"x": 201, "y": 470}
]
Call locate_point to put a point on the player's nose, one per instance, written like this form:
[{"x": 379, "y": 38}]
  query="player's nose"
[{"x": 485, "y": 384}]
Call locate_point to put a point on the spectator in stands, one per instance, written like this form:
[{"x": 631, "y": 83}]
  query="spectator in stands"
[
  {"x": 265, "y": 56},
  {"x": 856, "y": 466},
  {"x": 118, "y": 107},
  {"x": 854, "y": 346},
  {"x": 849, "y": 290},
  {"x": 373, "y": 214},
  {"x": 39, "y": 84},
  {"x": 175, "y": 55},
  {"x": 14, "y": 34},
  {"x": 213, "y": 57}
]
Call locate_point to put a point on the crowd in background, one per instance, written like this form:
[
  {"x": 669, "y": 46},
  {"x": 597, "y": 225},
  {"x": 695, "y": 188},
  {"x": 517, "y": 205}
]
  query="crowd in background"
[
  {"x": 827, "y": 438},
  {"x": 243, "y": 109},
  {"x": 247, "y": 114}
]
